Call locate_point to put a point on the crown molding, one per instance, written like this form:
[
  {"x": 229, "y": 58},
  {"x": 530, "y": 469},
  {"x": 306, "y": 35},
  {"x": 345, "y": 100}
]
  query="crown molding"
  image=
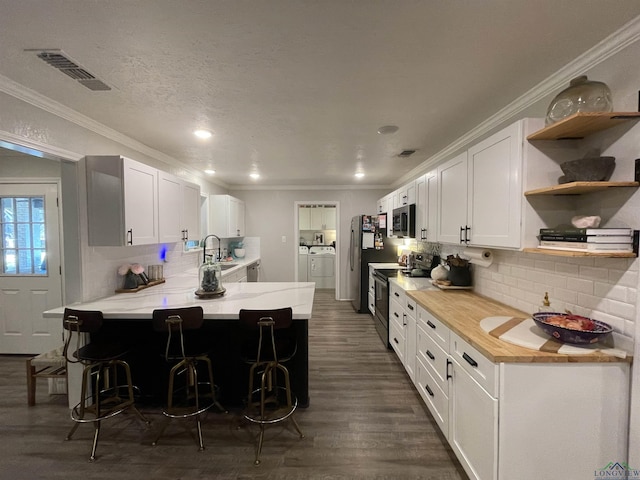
[
  {"x": 627, "y": 35},
  {"x": 14, "y": 142},
  {"x": 42, "y": 102}
]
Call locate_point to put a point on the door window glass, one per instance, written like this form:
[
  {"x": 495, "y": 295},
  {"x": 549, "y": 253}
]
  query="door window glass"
[{"x": 24, "y": 242}]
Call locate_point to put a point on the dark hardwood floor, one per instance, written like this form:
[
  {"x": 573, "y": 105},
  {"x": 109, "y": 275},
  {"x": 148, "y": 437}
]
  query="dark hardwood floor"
[{"x": 365, "y": 421}]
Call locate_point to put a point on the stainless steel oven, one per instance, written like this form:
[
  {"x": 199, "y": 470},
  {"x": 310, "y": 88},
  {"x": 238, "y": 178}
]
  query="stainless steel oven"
[{"x": 381, "y": 316}]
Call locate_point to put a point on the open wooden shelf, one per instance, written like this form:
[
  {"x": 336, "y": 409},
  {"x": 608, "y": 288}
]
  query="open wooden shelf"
[
  {"x": 152, "y": 283},
  {"x": 579, "y": 188},
  {"x": 580, "y": 125},
  {"x": 573, "y": 253}
]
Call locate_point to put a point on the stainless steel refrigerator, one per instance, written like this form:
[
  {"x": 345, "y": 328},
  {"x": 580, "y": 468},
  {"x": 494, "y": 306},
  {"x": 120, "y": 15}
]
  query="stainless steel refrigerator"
[{"x": 368, "y": 244}]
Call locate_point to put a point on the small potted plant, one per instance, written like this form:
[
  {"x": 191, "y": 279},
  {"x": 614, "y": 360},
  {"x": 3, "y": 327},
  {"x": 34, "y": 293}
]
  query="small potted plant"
[{"x": 133, "y": 275}]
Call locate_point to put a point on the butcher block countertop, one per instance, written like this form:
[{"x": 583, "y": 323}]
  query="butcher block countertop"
[{"x": 462, "y": 312}]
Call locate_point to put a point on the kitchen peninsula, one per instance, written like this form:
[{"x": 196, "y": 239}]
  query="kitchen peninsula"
[{"x": 129, "y": 315}]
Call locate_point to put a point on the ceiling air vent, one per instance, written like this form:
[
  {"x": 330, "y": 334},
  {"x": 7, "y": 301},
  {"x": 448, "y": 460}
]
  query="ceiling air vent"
[
  {"x": 58, "y": 60},
  {"x": 406, "y": 153}
]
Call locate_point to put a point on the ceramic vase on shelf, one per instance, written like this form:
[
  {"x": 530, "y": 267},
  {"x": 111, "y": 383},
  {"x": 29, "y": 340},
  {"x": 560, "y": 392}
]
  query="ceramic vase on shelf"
[{"x": 130, "y": 281}]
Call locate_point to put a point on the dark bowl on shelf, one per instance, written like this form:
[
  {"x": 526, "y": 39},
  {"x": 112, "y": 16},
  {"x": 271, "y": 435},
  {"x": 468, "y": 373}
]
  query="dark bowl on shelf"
[
  {"x": 569, "y": 335},
  {"x": 593, "y": 169}
]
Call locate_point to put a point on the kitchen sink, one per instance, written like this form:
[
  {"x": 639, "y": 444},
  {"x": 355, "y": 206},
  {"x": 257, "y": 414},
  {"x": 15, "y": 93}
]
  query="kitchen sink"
[{"x": 227, "y": 266}]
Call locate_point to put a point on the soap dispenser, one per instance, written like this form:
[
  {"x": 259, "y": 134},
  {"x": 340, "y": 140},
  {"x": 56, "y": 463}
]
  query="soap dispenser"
[{"x": 546, "y": 304}]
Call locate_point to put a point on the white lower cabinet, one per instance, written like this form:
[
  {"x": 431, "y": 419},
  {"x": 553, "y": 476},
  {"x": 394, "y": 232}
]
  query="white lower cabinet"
[
  {"x": 525, "y": 421},
  {"x": 473, "y": 430},
  {"x": 402, "y": 327}
]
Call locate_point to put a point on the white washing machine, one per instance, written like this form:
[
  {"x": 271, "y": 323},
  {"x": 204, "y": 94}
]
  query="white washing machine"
[{"x": 321, "y": 267}]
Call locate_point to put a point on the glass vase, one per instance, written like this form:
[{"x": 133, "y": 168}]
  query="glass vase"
[{"x": 210, "y": 277}]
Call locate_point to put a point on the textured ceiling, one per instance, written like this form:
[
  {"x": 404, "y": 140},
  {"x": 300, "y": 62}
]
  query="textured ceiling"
[{"x": 296, "y": 89}]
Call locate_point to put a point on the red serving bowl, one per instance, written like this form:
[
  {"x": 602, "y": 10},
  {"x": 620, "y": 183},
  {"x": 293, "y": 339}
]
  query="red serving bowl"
[{"x": 570, "y": 335}]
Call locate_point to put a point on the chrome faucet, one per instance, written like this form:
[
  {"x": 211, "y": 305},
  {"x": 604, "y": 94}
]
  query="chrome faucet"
[{"x": 204, "y": 248}]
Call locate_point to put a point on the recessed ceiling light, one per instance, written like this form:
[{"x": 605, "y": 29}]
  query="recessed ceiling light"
[
  {"x": 359, "y": 175},
  {"x": 255, "y": 176},
  {"x": 209, "y": 172},
  {"x": 202, "y": 133},
  {"x": 387, "y": 129}
]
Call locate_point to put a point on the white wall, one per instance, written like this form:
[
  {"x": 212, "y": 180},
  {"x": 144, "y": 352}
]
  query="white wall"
[{"x": 270, "y": 215}]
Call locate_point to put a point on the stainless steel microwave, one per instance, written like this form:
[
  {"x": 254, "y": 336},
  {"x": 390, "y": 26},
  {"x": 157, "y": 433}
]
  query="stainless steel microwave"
[{"x": 404, "y": 221}]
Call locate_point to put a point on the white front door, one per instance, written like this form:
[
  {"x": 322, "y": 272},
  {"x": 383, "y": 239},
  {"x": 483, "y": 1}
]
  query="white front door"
[{"x": 30, "y": 267}]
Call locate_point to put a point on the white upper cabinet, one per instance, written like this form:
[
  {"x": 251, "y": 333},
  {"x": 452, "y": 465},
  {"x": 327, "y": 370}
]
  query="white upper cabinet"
[
  {"x": 317, "y": 217},
  {"x": 190, "y": 211},
  {"x": 226, "y": 216},
  {"x": 406, "y": 195},
  {"x": 122, "y": 201},
  {"x": 495, "y": 189},
  {"x": 452, "y": 199},
  {"x": 480, "y": 193},
  {"x": 426, "y": 207},
  {"x": 179, "y": 209}
]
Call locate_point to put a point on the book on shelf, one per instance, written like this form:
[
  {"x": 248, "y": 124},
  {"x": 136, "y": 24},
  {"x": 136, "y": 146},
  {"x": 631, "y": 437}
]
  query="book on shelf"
[
  {"x": 588, "y": 238},
  {"x": 586, "y": 247},
  {"x": 586, "y": 231}
]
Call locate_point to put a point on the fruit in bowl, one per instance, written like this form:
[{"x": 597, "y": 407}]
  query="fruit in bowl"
[{"x": 570, "y": 328}]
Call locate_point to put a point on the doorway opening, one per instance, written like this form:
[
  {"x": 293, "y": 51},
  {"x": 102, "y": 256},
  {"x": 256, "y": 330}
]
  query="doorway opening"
[{"x": 317, "y": 258}]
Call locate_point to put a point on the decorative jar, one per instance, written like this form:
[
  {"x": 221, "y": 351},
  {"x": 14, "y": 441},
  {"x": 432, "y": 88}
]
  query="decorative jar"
[
  {"x": 210, "y": 277},
  {"x": 582, "y": 95}
]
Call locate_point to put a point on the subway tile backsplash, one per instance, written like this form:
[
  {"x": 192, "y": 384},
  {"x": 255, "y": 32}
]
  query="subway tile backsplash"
[{"x": 603, "y": 288}]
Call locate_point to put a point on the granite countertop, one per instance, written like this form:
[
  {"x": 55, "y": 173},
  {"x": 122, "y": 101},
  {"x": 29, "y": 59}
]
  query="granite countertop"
[
  {"x": 462, "y": 311},
  {"x": 179, "y": 291}
]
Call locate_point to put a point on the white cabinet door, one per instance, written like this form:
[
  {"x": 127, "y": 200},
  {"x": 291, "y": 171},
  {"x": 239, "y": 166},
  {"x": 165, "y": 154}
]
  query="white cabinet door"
[
  {"x": 304, "y": 218},
  {"x": 190, "y": 211},
  {"x": 427, "y": 207},
  {"x": 226, "y": 216},
  {"x": 178, "y": 209},
  {"x": 410, "y": 339},
  {"x": 432, "y": 206},
  {"x": 317, "y": 218},
  {"x": 495, "y": 189},
  {"x": 169, "y": 208},
  {"x": 330, "y": 217},
  {"x": 422, "y": 199},
  {"x": 140, "y": 202},
  {"x": 236, "y": 217},
  {"x": 452, "y": 199},
  {"x": 473, "y": 420}
]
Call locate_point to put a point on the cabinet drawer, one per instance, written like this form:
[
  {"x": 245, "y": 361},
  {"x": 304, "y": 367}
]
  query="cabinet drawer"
[
  {"x": 434, "y": 328},
  {"x": 397, "y": 293},
  {"x": 372, "y": 303},
  {"x": 481, "y": 369},
  {"x": 397, "y": 340},
  {"x": 410, "y": 307},
  {"x": 436, "y": 400},
  {"x": 396, "y": 314},
  {"x": 436, "y": 359}
]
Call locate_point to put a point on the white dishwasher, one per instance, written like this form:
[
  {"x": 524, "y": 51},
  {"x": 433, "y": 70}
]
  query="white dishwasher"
[{"x": 322, "y": 266}]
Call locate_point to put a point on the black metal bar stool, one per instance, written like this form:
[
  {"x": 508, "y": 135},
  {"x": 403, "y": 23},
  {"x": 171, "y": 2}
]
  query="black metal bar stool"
[
  {"x": 268, "y": 343},
  {"x": 102, "y": 395},
  {"x": 184, "y": 352}
]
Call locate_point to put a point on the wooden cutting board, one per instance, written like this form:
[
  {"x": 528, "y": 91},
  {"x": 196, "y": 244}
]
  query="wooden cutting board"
[{"x": 525, "y": 333}]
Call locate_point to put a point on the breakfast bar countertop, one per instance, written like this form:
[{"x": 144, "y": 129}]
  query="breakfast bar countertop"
[
  {"x": 179, "y": 291},
  {"x": 462, "y": 311}
]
